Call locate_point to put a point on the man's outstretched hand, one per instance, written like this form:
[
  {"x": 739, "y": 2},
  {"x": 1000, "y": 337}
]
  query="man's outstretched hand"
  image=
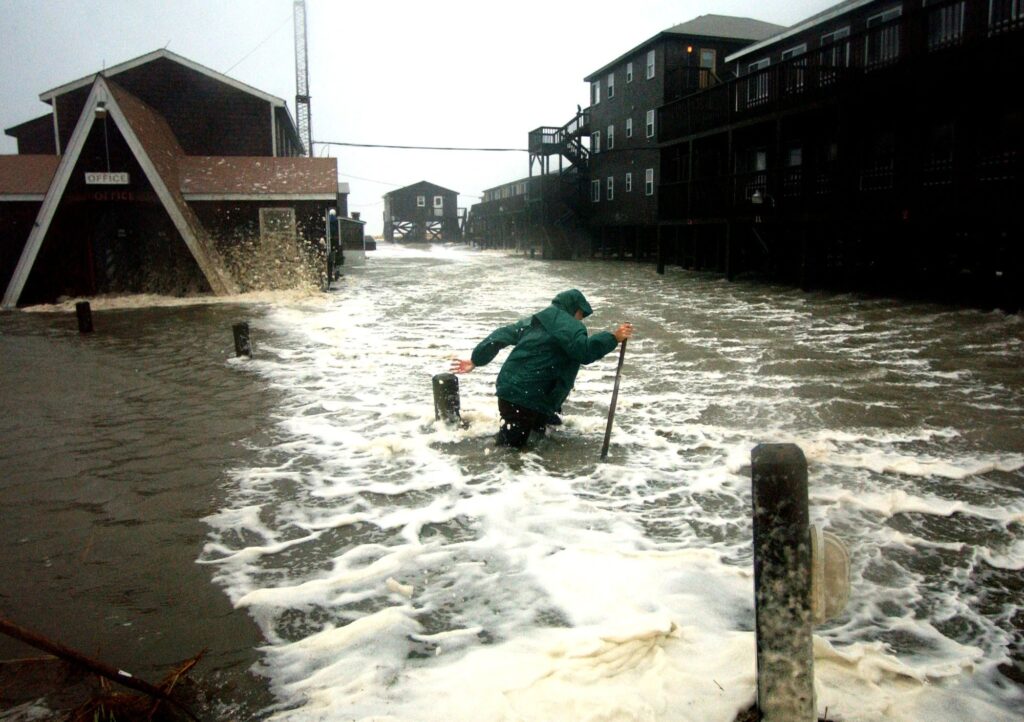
[
  {"x": 461, "y": 366},
  {"x": 624, "y": 331}
]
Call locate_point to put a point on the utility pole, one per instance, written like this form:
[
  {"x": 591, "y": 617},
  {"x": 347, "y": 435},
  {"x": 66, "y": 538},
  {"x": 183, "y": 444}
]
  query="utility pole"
[{"x": 302, "y": 78}]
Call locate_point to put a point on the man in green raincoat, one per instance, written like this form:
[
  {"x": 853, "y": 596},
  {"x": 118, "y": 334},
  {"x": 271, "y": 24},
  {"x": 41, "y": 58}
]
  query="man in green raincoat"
[{"x": 540, "y": 372}]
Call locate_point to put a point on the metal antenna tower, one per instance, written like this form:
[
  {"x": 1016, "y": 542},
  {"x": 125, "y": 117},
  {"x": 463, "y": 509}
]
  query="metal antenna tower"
[{"x": 302, "y": 78}]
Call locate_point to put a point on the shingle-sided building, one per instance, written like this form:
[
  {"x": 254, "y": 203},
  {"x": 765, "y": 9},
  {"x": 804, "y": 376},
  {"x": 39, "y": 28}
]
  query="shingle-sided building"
[
  {"x": 160, "y": 175},
  {"x": 421, "y": 212},
  {"x": 625, "y": 95}
]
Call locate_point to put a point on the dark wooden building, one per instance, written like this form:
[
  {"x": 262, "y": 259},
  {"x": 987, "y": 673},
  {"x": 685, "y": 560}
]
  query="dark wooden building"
[
  {"x": 421, "y": 212},
  {"x": 876, "y": 145},
  {"x": 625, "y": 94},
  {"x": 160, "y": 175}
]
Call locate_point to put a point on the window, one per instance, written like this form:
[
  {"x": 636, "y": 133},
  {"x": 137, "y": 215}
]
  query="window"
[
  {"x": 649, "y": 182},
  {"x": 793, "y": 72},
  {"x": 277, "y": 223},
  {"x": 629, "y": 72},
  {"x": 629, "y": 127},
  {"x": 597, "y": 92},
  {"x": 595, "y": 142},
  {"x": 835, "y": 53},
  {"x": 945, "y": 24},
  {"x": 611, "y": 137},
  {"x": 650, "y": 64},
  {"x": 610, "y": 185},
  {"x": 421, "y": 201},
  {"x": 611, "y": 85},
  {"x": 595, "y": 190},
  {"x": 707, "y": 66},
  {"x": 1004, "y": 15},
  {"x": 629, "y": 183},
  {"x": 882, "y": 43},
  {"x": 650, "y": 123},
  {"x": 757, "y": 82},
  {"x": 438, "y": 201}
]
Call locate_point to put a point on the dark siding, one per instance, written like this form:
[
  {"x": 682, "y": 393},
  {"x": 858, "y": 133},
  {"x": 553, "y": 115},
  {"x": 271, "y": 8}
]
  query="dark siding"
[
  {"x": 35, "y": 137},
  {"x": 207, "y": 117},
  {"x": 16, "y": 219}
]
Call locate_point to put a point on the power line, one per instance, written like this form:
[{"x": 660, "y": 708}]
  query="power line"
[{"x": 420, "y": 147}]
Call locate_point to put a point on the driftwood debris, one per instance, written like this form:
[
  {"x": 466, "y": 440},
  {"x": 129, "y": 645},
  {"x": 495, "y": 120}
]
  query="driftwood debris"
[{"x": 103, "y": 670}]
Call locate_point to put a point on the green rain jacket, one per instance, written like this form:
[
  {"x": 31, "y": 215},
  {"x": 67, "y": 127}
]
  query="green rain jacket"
[{"x": 549, "y": 348}]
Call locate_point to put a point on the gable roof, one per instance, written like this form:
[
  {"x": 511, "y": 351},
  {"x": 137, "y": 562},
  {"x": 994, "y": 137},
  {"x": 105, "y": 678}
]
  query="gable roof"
[
  {"x": 421, "y": 184},
  {"x": 26, "y": 177},
  {"x": 157, "y": 152},
  {"x": 727, "y": 26},
  {"x": 269, "y": 178},
  {"x": 722, "y": 27},
  {"x": 49, "y": 95}
]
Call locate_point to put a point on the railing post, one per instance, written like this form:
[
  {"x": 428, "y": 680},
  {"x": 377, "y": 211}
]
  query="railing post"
[
  {"x": 243, "y": 347},
  {"x": 782, "y": 584},
  {"x": 83, "y": 311}
]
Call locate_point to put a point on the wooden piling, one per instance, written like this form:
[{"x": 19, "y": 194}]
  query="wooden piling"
[
  {"x": 84, "y": 313},
  {"x": 446, "y": 398},
  {"x": 782, "y": 584},
  {"x": 243, "y": 347}
]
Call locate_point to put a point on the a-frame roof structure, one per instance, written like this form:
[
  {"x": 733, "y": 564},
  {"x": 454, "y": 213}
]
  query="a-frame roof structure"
[{"x": 158, "y": 153}]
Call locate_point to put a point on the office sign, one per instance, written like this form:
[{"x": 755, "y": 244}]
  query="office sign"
[{"x": 106, "y": 179}]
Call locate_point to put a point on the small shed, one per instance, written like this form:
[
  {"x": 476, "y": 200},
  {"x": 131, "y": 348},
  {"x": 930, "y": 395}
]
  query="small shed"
[{"x": 422, "y": 212}]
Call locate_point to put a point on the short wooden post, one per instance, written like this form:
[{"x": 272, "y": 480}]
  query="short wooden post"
[
  {"x": 782, "y": 584},
  {"x": 84, "y": 313},
  {"x": 661, "y": 250},
  {"x": 242, "y": 345},
  {"x": 446, "y": 398}
]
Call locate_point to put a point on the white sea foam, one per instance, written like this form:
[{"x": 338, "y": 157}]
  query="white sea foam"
[{"x": 403, "y": 569}]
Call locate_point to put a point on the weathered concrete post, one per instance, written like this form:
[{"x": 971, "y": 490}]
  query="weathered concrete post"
[
  {"x": 446, "y": 398},
  {"x": 84, "y": 313},
  {"x": 782, "y": 584},
  {"x": 242, "y": 345}
]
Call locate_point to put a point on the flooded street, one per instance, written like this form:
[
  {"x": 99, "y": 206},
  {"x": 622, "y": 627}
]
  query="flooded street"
[{"x": 344, "y": 556}]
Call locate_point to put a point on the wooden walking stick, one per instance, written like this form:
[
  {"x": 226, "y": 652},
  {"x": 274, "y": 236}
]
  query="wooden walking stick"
[{"x": 615, "y": 398}]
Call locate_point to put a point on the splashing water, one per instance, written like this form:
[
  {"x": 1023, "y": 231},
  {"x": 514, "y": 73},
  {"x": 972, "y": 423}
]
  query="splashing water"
[{"x": 404, "y": 570}]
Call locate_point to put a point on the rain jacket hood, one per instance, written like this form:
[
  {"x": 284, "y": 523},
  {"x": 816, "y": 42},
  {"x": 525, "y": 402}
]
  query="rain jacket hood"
[
  {"x": 571, "y": 300},
  {"x": 549, "y": 348}
]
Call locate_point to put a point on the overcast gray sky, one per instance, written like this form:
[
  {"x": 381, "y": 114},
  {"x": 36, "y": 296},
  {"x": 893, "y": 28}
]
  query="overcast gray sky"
[{"x": 451, "y": 73}]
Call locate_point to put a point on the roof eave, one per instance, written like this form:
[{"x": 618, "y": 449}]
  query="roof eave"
[{"x": 820, "y": 18}]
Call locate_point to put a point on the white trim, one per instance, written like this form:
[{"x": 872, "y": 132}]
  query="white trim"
[
  {"x": 100, "y": 92},
  {"x": 260, "y": 196},
  {"x": 48, "y": 95},
  {"x": 56, "y": 130},
  {"x": 273, "y": 131},
  {"x": 796, "y": 29},
  {"x": 12, "y": 197}
]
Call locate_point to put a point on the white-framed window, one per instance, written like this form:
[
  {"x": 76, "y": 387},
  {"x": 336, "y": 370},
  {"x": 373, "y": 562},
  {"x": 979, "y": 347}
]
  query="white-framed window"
[
  {"x": 794, "y": 72},
  {"x": 596, "y": 94},
  {"x": 650, "y": 64},
  {"x": 836, "y": 54},
  {"x": 650, "y": 123},
  {"x": 611, "y": 137},
  {"x": 946, "y": 24},
  {"x": 1004, "y": 15},
  {"x": 595, "y": 190},
  {"x": 610, "y": 187},
  {"x": 438, "y": 201},
  {"x": 649, "y": 182},
  {"x": 421, "y": 201},
  {"x": 595, "y": 142},
  {"x": 757, "y": 82},
  {"x": 882, "y": 44},
  {"x": 629, "y": 182},
  {"x": 611, "y": 85},
  {"x": 629, "y": 127},
  {"x": 629, "y": 72}
]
